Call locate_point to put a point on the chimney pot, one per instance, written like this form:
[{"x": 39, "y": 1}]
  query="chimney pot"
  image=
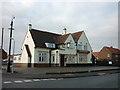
[
  {"x": 64, "y": 31},
  {"x": 29, "y": 26}
]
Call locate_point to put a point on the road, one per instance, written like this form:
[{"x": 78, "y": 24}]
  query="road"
[{"x": 103, "y": 81}]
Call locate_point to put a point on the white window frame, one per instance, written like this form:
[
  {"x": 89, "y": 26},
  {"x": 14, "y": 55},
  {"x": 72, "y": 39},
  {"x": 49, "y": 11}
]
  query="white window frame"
[
  {"x": 108, "y": 55},
  {"x": 43, "y": 56}
]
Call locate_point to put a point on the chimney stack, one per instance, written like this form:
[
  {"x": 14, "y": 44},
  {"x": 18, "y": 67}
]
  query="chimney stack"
[
  {"x": 29, "y": 26},
  {"x": 64, "y": 31}
]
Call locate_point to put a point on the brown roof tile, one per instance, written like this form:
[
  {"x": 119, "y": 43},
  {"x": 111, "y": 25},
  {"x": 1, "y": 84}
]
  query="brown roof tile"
[
  {"x": 61, "y": 39},
  {"x": 76, "y": 35},
  {"x": 113, "y": 50},
  {"x": 41, "y": 37},
  {"x": 95, "y": 53}
]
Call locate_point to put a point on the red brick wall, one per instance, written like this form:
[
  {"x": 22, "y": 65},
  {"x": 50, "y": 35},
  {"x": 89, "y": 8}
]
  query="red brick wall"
[
  {"x": 103, "y": 55},
  {"x": 34, "y": 65}
]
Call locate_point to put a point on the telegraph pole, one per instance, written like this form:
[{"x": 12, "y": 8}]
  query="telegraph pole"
[{"x": 11, "y": 28}]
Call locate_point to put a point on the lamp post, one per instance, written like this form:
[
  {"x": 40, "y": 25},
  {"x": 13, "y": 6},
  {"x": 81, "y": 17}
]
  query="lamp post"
[
  {"x": 1, "y": 48},
  {"x": 13, "y": 55},
  {"x": 11, "y": 28}
]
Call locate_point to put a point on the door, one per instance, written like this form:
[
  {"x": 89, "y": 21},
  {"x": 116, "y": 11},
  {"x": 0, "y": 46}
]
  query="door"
[
  {"x": 29, "y": 55},
  {"x": 62, "y": 60},
  {"x": 29, "y": 61}
]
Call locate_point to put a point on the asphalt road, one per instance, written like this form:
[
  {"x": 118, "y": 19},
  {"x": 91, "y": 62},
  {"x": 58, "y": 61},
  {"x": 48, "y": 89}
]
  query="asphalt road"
[{"x": 103, "y": 81}]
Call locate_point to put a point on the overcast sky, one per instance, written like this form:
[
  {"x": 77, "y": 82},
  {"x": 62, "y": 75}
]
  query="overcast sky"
[{"x": 98, "y": 19}]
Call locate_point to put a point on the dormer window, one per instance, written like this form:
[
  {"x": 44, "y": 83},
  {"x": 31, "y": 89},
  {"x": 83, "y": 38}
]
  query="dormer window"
[{"x": 63, "y": 46}]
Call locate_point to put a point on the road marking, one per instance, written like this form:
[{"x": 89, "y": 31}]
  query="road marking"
[
  {"x": 36, "y": 80},
  {"x": 18, "y": 81},
  {"x": 60, "y": 79},
  {"x": 27, "y": 81},
  {"x": 101, "y": 73},
  {"x": 44, "y": 79},
  {"x": 7, "y": 82},
  {"x": 52, "y": 79}
]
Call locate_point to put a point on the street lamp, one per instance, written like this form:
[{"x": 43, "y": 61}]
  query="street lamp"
[
  {"x": 13, "y": 55},
  {"x": 11, "y": 28}
]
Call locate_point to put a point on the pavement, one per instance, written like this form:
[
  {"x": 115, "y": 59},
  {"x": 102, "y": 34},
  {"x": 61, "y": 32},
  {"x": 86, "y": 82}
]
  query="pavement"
[{"x": 58, "y": 72}]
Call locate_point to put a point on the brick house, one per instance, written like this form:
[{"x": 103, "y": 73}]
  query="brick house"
[
  {"x": 109, "y": 56},
  {"x": 95, "y": 56}
]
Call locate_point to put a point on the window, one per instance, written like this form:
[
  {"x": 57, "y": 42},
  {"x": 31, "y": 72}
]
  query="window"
[
  {"x": 79, "y": 47},
  {"x": 108, "y": 55},
  {"x": 63, "y": 46},
  {"x": 53, "y": 58},
  {"x": 42, "y": 57},
  {"x": 82, "y": 57},
  {"x": 19, "y": 58},
  {"x": 116, "y": 55},
  {"x": 68, "y": 45},
  {"x": 14, "y": 58},
  {"x": 85, "y": 47}
]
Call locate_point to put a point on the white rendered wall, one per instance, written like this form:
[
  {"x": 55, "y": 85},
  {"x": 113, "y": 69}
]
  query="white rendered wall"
[
  {"x": 16, "y": 60},
  {"x": 29, "y": 41},
  {"x": 36, "y": 55},
  {"x": 69, "y": 50},
  {"x": 84, "y": 40}
]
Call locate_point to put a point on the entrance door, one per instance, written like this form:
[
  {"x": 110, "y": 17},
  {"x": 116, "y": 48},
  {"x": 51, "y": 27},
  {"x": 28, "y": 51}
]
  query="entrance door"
[
  {"x": 62, "y": 60},
  {"x": 29, "y": 61},
  {"x": 29, "y": 55}
]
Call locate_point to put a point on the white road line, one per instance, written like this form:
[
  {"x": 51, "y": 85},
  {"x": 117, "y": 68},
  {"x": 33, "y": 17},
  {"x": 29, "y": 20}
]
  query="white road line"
[
  {"x": 27, "y": 81},
  {"x": 60, "y": 79},
  {"x": 44, "y": 79},
  {"x": 36, "y": 79},
  {"x": 52, "y": 79},
  {"x": 7, "y": 82},
  {"x": 18, "y": 81}
]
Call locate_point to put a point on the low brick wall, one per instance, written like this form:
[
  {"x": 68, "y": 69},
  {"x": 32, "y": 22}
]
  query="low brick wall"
[
  {"x": 35, "y": 65},
  {"x": 20, "y": 64}
]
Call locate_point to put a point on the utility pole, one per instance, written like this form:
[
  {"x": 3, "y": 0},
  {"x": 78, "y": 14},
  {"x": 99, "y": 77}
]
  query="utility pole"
[
  {"x": 11, "y": 28},
  {"x": 13, "y": 55},
  {"x": 2, "y": 48}
]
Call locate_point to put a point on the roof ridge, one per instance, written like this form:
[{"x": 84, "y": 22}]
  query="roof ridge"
[
  {"x": 77, "y": 32},
  {"x": 44, "y": 31}
]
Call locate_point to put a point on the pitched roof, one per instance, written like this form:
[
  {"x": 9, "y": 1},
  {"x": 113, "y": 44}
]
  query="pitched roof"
[
  {"x": 42, "y": 37},
  {"x": 113, "y": 50},
  {"x": 76, "y": 35},
  {"x": 95, "y": 53},
  {"x": 61, "y": 39}
]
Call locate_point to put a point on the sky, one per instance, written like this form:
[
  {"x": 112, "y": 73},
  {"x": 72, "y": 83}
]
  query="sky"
[{"x": 98, "y": 18}]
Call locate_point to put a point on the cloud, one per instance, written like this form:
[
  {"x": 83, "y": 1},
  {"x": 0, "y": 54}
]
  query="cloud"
[{"x": 99, "y": 20}]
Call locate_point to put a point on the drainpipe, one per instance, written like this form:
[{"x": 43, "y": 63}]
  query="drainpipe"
[{"x": 50, "y": 58}]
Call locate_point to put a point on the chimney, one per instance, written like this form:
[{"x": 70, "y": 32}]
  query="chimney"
[
  {"x": 64, "y": 31},
  {"x": 111, "y": 46},
  {"x": 29, "y": 26}
]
